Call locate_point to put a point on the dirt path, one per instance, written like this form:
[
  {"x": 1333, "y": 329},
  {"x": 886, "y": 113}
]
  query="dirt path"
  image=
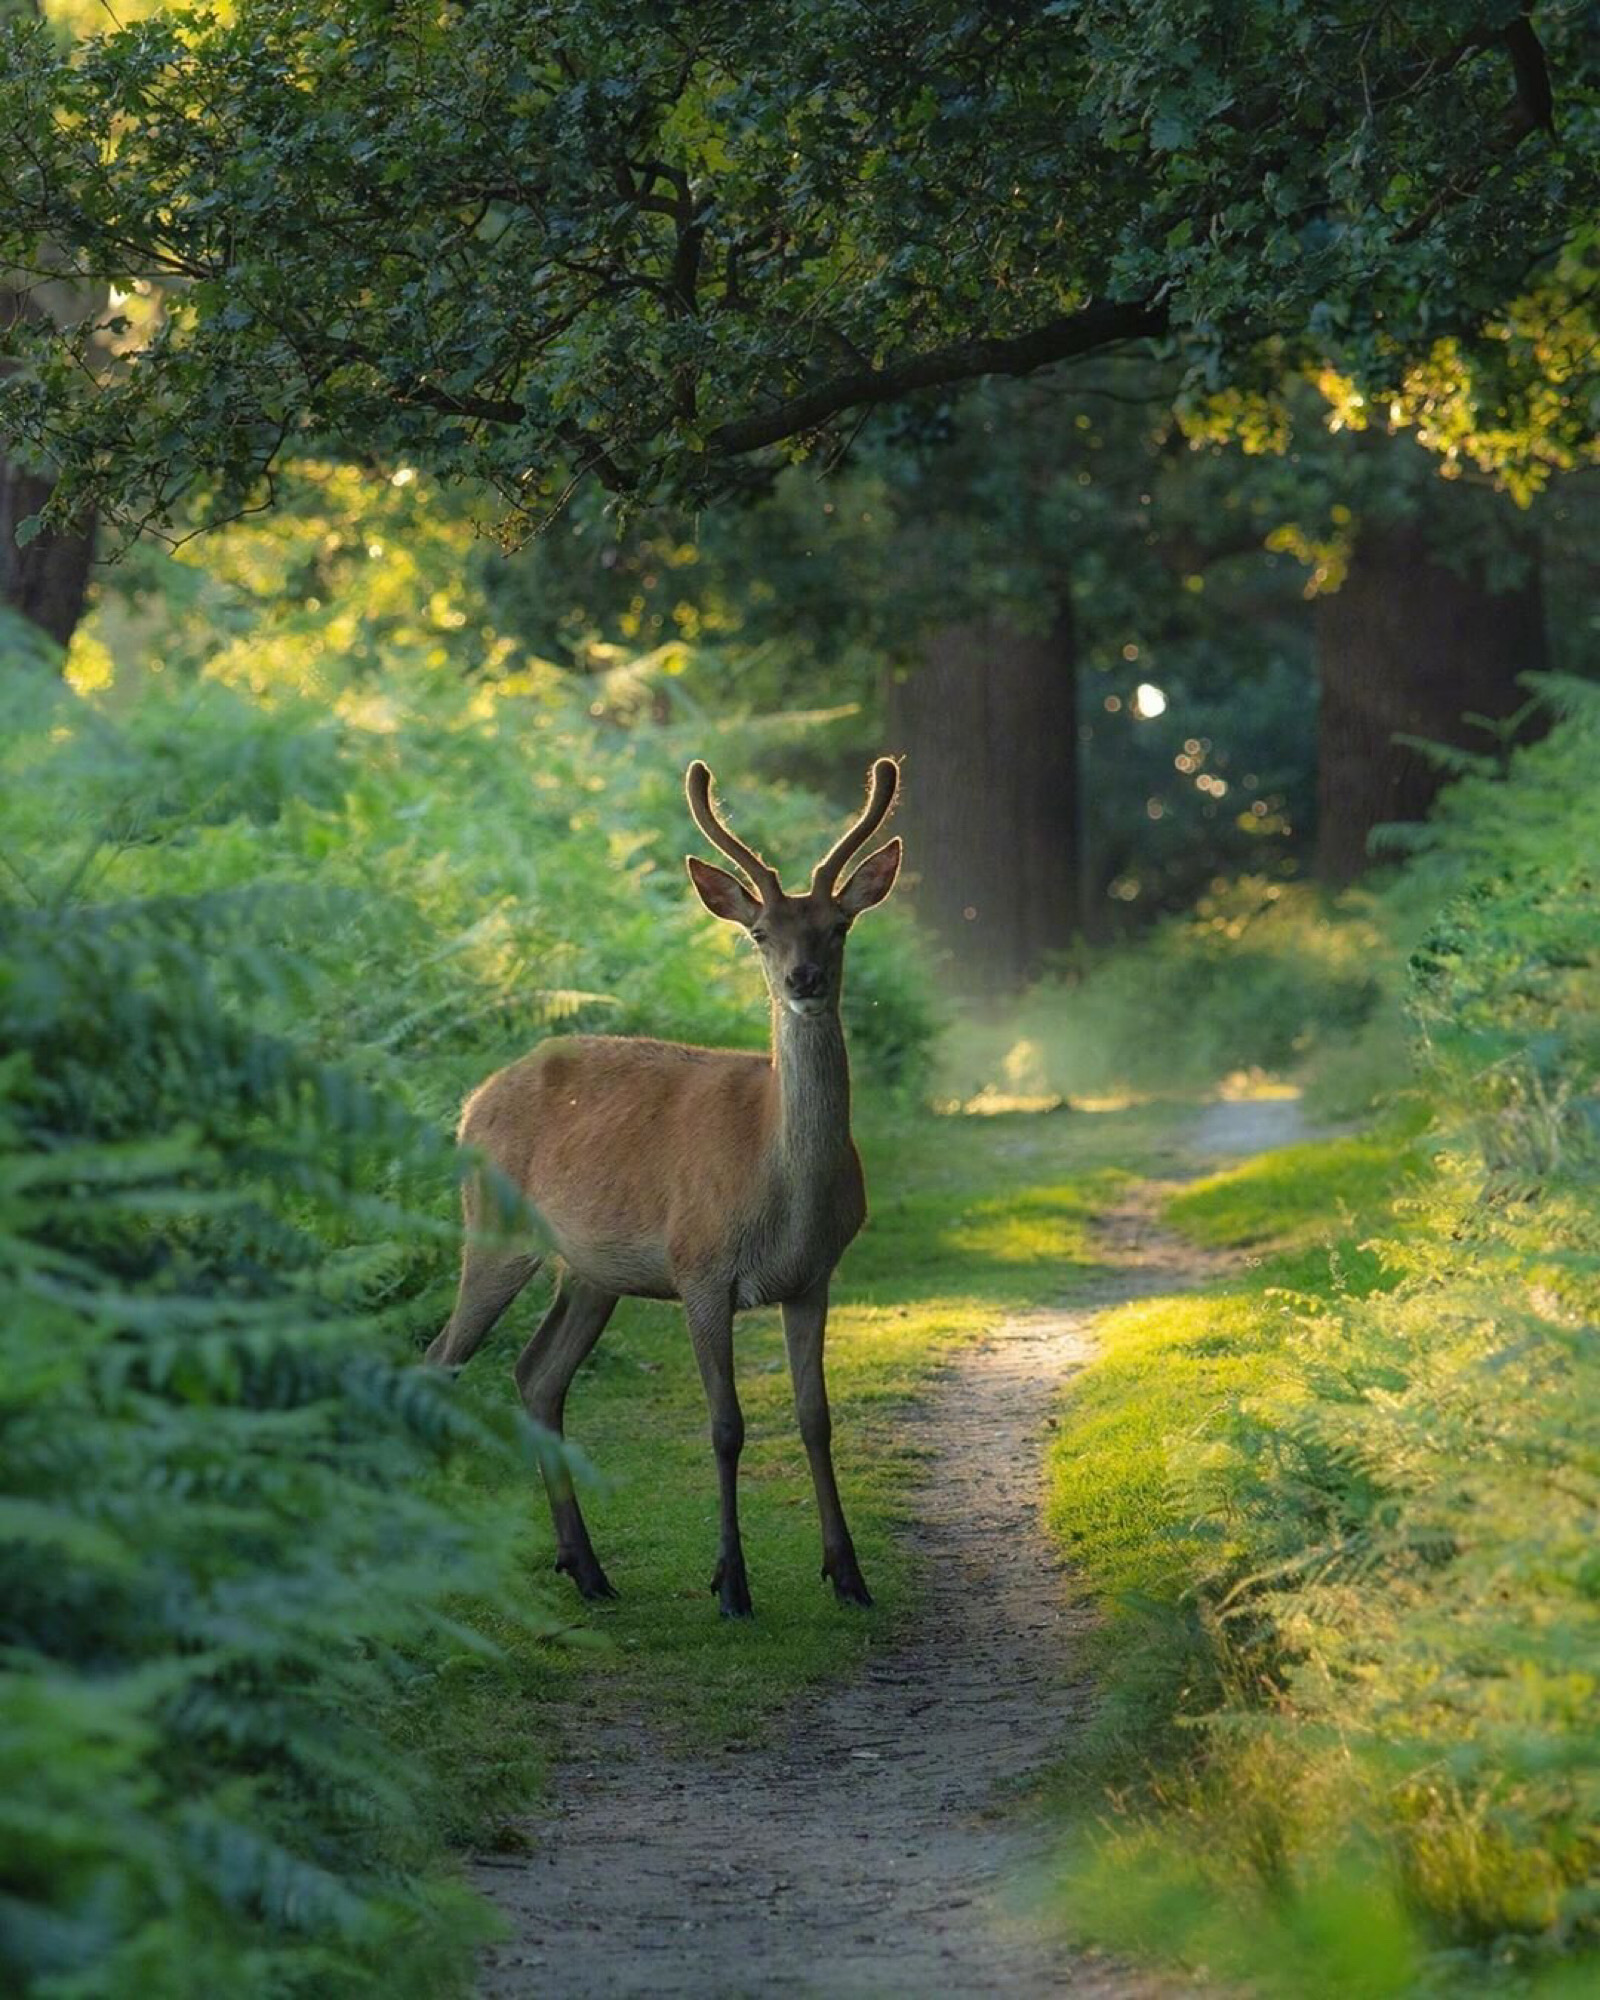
[{"x": 868, "y": 1850}]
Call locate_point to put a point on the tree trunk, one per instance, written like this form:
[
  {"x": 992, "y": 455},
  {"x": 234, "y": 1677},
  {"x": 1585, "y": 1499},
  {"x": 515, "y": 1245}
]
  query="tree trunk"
[
  {"x": 988, "y": 724},
  {"x": 1408, "y": 646},
  {"x": 48, "y": 580}
]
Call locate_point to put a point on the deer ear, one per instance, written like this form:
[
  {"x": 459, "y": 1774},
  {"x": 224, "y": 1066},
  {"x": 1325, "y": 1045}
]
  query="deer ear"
[
  {"x": 871, "y": 882},
  {"x": 721, "y": 893}
]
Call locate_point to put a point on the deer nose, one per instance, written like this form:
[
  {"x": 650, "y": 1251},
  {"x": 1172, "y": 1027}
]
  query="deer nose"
[{"x": 807, "y": 981}]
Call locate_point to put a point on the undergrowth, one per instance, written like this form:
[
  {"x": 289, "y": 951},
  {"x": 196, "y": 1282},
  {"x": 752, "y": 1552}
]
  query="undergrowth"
[
  {"x": 218, "y": 1572},
  {"x": 1343, "y": 1508}
]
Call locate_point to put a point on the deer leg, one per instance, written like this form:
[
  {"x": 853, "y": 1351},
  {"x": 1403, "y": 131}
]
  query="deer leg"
[
  {"x": 711, "y": 1332},
  {"x": 490, "y": 1280},
  {"x": 804, "y": 1323},
  {"x": 544, "y": 1372}
]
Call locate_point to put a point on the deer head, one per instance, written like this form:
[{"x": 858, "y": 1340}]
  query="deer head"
[{"x": 800, "y": 938}]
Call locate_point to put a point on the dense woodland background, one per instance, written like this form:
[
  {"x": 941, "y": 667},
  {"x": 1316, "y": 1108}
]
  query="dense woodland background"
[{"x": 1172, "y": 431}]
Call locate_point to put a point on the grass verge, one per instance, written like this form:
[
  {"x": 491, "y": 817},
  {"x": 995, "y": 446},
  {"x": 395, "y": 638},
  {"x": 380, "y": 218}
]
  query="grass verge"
[
  {"x": 1339, "y": 1509},
  {"x": 1148, "y": 1423}
]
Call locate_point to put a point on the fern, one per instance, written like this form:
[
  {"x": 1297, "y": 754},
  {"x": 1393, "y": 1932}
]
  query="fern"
[{"x": 221, "y": 1560}]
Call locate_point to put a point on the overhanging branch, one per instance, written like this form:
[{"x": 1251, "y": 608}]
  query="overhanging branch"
[
  {"x": 1076, "y": 333},
  {"x": 859, "y": 388}
]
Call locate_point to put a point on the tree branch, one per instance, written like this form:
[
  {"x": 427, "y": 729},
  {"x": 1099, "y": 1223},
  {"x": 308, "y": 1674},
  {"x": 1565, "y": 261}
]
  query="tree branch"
[
  {"x": 862, "y": 388},
  {"x": 485, "y": 409},
  {"x": 962, "y": 361}
]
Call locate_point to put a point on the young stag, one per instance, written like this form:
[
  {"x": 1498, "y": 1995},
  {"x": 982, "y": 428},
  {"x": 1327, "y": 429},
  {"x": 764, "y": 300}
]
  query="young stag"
[{"x": 715, "y": 1176}]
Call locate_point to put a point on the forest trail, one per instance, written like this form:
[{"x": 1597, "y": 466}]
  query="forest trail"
[{"x": 874, "y": 1845}]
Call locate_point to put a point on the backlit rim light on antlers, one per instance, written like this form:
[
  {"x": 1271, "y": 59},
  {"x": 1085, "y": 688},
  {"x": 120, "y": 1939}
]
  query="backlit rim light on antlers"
[
  {"x": 698, "y": 786},
  {"x": 883, "y": 783}
]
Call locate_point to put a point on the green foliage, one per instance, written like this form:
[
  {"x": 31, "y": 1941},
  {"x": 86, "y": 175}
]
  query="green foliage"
[
  {"x": 24, "y": 643},
  {"x": 1350, "y": 1499},
  {"x": 221, "y": 1566},
  {"x": 1504, "y": 988},
  {"x": 1075, "y": 505},
  {"x": 528, "y": 247},
  {"x": 473, "y": 868}
]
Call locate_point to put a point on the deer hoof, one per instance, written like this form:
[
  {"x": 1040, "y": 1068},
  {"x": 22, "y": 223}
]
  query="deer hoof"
[
  {"x": 730, "y": 1588},
  {"x": 849, "y": 1586},
  {"x": 592, "y": 1581}
]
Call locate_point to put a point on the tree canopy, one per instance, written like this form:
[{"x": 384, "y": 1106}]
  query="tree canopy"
[{"x": 663, "y": 245}]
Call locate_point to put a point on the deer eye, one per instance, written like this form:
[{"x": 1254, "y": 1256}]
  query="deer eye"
[{"x": 758, "y": 937}]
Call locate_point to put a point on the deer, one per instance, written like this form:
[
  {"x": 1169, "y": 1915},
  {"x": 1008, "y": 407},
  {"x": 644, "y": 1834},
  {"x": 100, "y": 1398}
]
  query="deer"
[{"x": 724, "y": 1178}]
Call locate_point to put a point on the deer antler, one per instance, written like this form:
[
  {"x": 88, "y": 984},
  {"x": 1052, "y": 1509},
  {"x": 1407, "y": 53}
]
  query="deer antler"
[
  {"x": 883, "y": 784},
  {"x": 698, "y": 785}
]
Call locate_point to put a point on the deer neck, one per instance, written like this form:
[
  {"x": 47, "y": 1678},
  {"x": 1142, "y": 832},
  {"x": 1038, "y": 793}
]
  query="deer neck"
[{"x": 812, "y": 1075}]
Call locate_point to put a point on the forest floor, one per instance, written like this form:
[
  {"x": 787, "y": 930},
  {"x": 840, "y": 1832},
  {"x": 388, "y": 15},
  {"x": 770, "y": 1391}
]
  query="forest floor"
[{"x": 879, "y": 1839}]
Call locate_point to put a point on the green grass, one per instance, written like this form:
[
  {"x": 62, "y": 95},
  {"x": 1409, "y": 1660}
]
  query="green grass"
[
  {"x": 971, "y": 1217},
  {"x": 1296, "y": 1197}
]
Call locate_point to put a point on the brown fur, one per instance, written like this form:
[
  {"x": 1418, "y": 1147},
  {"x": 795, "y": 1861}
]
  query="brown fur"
[{"x": 566, "y": 1126}]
